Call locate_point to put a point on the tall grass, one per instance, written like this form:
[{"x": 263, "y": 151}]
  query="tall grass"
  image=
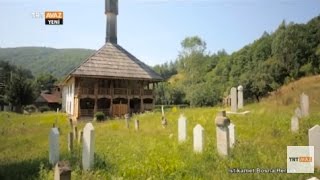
[{"x": 153, "y": 152}]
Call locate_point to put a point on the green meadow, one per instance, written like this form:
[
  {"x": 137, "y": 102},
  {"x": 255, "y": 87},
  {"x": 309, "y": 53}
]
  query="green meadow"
[{"x": 153, "y": 152}]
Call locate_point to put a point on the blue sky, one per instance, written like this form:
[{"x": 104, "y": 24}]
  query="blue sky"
[{"x": 150, "y": 29}]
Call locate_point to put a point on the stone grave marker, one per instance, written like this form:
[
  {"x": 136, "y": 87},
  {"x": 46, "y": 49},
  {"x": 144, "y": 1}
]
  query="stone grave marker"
[
  {"x": 182, "y": 128},
  {"x": 198, "y": 138},
  {"x": 70, "y": 141},
  {"x": 231, "y": 128},
  {"x": 304, "y": 105},
  {"x": 162, "y": 110},
  {"x": 126, "y": 117},
  {"x": 136, "y": 124},
  {"x": 240, "y": 97},
  {"x": 314, "y": 140},
  {"x": 54, "y": 146},
  {"x": 294, "y": 124},
  {"x": 233, "y": 94},
  {"x": 62, "y": 171},
  {"x": 75, "y": 132},
  {"x": 223, "y": 135},
  {"x": 80, "y": 136},
  {"x": 71, "y": 123},
  {"x": 298, "y": 113},
  {"x": 88, "y": 147}
]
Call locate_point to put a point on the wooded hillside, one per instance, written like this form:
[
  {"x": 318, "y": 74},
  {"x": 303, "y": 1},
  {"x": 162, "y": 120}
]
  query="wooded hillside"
[
  {"x": 40, "y": 60},
  {"x": 200, "y": 78}
]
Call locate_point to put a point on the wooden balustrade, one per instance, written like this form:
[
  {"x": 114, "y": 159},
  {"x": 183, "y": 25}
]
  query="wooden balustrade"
[
  {"x": 134, "y": 91},
  {"x": 116, "y": 91},
  {"x": 148, "y": 92},
  {"x": 120, "y": 91},
  {"x": 104, "y": 91},
  {"x": 87, "y": 90}
]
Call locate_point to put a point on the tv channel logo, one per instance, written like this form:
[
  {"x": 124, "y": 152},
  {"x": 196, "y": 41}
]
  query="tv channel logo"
[
  {"x": 300, "y": 159},
  {"x": 53, "y": 17}
]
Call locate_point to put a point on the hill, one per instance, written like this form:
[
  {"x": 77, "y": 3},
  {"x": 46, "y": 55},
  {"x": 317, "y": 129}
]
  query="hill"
[
  {"x": 39, "y": 60},
  {"x": 289, "y": 94},
  {"x": 153, "y": 152},
  {"x": 290, "y": 52}
]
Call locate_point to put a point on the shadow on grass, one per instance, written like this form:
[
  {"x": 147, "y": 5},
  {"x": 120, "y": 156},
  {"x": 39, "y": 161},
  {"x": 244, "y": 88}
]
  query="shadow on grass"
[
  {"x": 100, "y": 163},
  {"x": 28, "y": 169}
]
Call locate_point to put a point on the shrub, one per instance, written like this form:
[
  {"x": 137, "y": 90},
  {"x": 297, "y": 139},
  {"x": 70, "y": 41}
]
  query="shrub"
[
  {"x": 44, "y": 108},
  {"x": 99, "y": 116},
  {"x": 30, "y": 108}
]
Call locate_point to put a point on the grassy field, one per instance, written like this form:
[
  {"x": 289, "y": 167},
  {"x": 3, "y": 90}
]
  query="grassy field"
[{"x": 154, "y": 152}]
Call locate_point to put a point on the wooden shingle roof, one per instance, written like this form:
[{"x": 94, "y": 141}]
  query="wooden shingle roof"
[{"x": 113, "y": 61}]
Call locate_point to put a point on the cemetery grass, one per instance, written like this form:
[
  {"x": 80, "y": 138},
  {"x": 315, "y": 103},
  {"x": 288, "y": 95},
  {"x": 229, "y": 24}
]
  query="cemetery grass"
[{"x": 153, "y": 152}]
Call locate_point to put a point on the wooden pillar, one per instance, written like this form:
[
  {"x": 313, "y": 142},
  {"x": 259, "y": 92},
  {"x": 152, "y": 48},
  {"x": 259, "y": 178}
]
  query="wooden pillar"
[
  {"x": 79, "y": 97},
  {"x": 111, "y": 100},
  {"x": 128, "y": 96},
  {"x": 96, "y": 89},
  {"x": 141, "y": 96}
]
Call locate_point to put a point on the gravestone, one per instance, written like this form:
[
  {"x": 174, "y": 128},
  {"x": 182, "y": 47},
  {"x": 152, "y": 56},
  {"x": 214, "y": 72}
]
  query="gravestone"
[
  {"x": 75, "y": 132},
  {"x": 70, "y": 141},
  {"x": 62, "y": 171},
  {"x": 71, "y": 123},
  {"x": 126, "y": 117},
  {"x": 198, "y": 138},
  {"x": 136, "y": 124},
  {"x": 233, "y": 94},
  {"x": 294, "y": 124},
  {"x": 240, "y": 97},
  {"x": 231, "y": 128},
  {"x": 80, "y": 137},
  {"x": 298, "y": 113},
  {"x": 162, "y": 110},
  {"x": 304, "y": 104},
  {"x": 88, "y": 147},
  {"x": 182, "y": 128},
  {"x": 54, "y": 146},
  {"x": 223, "y": 136},
  {"x": 314, "y": 140}
]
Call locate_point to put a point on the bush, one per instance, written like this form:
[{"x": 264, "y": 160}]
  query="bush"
[
  {"x": 99, "y": 116},
  {"x": 30, "y": 108},
  {"x": 44, "y": 108}
]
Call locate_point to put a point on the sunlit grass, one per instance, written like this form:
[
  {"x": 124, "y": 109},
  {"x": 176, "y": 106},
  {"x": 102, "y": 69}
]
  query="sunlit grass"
[{"x": 154, "y": 152}]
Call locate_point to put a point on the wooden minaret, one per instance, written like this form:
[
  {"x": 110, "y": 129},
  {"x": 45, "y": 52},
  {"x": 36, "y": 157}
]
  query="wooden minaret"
[{"x": 111, "y": 11}]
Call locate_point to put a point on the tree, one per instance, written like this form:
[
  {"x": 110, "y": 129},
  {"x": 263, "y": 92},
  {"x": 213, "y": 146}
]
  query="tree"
[
  {"x": 45, "y": 81},
  {"x": 19, "y": 91}
]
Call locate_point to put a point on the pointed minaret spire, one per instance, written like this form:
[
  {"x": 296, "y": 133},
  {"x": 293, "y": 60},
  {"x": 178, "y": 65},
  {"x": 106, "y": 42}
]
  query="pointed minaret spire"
[{"x": 111, "y": 12}]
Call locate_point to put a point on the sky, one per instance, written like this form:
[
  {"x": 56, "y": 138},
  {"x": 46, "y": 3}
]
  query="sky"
[{"x": 151, "y": 30}]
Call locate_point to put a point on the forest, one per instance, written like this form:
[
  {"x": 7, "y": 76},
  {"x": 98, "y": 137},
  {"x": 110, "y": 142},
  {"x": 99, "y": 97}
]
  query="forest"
[
  {"x": 196, "y": 77},
  {"x": 200, "y": 78}
]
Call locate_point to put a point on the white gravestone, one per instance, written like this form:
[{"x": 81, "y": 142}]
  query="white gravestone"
[
  {"x": 304, "y": 104},
  {"x": 137, "y": 124},
  {"x": 240, "y": 97},
  {"x": 70, "y": 141},
  {"x": 294, "y": 124},
  {"x": 298, "y": 112},
  {"x": 231, "y": 128},
  {"x": 54, "y": 146},
  {"x": 198, "y": 138},
  {"x": 182, "y": 128},
  {"x": 223, "y": 136},
  {"x": 162, "y": 111},
  {"x": 314, "y": 140},
  {"x": 88, "y": 147},
  {"x": 233, "y": 94}
]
